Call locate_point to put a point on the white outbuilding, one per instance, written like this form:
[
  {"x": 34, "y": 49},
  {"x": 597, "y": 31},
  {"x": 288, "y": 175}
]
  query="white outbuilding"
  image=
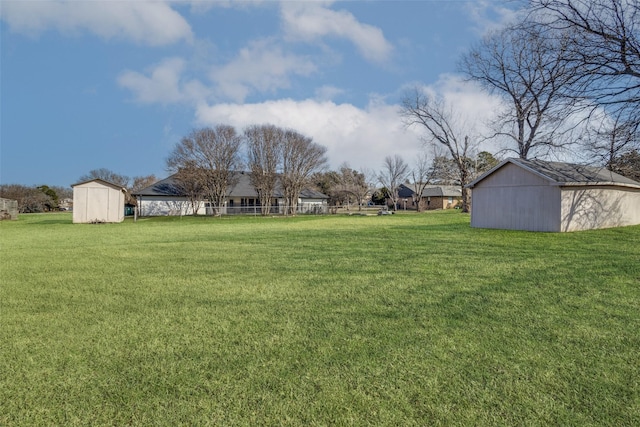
[
  {"x": 97, "y": 201},
  {"x": 536, "y": 195}
]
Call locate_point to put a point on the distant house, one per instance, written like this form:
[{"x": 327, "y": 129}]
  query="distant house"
[
  {"x": 65, "y": 204},
  {"x": 433, "y": 197},
  {"x": 96, "y": 201},
  {"x": 442, "y": 196},
  {"x": 165, "y": 197},
  {"x": 537, "y": 195}
]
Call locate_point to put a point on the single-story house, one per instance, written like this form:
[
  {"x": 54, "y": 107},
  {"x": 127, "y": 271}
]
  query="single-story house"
[
  {"x": 433, "y": 197},
  {"x": 165, "y": 197},
  {"x": 537, "y": 195},
  {"x": 97, "y": 200}
]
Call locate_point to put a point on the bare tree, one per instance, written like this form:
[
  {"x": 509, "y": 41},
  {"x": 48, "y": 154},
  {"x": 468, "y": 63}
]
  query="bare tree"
[
  {"x": 349, "y": 185},
  {"x": 483, "y": 162},
  {"x": 264, "y": 146},
  {"x": 421, "y": 176},
  {"x": 327, "y": 182},
  {"x": 30, "y": 199},
  {"x": 445, "y": 170},
  {"x": 106, "y": 175},
  {"x": 604, "y": 49},
  {"x": 211, "y": 157},
  {"x": 611, "y": 137},
  {"x": 627, "y": 164},
  {"x": 63, "y": 192},
  {"x": 140, "y": 182},
  {"x": 525, "y": 66},
  {"x": 300, "y": 158},
  {"x": 394, "y": 171},
  {"x": 442, "y": 127},
  {"x": 358, "y": 184},
  {"x": 189, "y": 181}
]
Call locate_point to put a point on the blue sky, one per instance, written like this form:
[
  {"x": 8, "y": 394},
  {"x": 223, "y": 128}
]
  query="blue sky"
[{"x": 116, "y": 84}]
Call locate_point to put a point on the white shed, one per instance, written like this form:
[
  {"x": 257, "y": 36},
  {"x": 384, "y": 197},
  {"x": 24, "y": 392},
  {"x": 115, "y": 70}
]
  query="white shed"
[
  {"x": 536, "y": 195},
  {"x": 98, "y": 201}
]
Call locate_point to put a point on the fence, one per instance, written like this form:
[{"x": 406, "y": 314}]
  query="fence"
[{"x": 309, "y": 208}]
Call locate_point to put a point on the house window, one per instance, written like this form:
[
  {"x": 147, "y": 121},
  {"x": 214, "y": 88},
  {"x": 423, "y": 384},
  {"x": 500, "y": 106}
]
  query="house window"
[{"x": 450, "y": 200}]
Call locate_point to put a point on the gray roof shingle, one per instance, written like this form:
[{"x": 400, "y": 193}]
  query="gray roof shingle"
[
  {"x": 241, "y": 188},
  {"x": 442, "y": 191},
  {"x": 569, "y": 173}
]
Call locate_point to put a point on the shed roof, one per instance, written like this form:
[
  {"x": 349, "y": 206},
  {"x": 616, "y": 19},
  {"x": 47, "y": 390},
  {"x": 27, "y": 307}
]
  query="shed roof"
[
  {"x": 565, "y": 174},
  {"x": 103, "y": 182}
]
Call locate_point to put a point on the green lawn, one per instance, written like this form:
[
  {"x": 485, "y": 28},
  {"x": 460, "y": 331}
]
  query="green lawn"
[{"x": 337, "y": 320}]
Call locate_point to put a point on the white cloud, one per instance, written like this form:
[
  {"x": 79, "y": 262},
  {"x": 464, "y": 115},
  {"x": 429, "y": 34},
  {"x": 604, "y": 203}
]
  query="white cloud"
[
  {"x": 310, "y": 21},
  {"x": 164, "y": 84},
  {"x": 468, "y": 98},
  {"x": 472, "y": 108},
  {"x": 203, "y": 6},
  {"x": 490, "y": 15},
  {"x": 262, "y": 66},
  {"x": 144, "y": 22},
  {"x": 361, "y": 137},
  {"x": 328, "y": 92}
]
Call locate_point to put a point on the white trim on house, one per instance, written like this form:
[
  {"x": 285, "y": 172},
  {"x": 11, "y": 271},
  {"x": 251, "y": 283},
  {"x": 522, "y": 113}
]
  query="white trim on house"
[{"x": 164, "y": 198}]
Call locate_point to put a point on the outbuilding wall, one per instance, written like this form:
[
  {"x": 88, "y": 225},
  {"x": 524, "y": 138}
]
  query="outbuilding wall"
[
  {"x": 514, "y": 199},
  {"x": 8, "y": 209},
  {"x": 94, "y": 201},
  {"x": 586, "y": 208}
]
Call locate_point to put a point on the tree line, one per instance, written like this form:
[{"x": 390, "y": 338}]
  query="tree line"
[
  {"x": 35, "y": 199},
  {"x": 44, "y": 198},
  {"x": 206, "y": 161}
]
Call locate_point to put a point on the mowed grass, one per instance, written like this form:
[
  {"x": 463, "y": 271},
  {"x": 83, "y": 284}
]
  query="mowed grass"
[{"x": 336, "y": 320}]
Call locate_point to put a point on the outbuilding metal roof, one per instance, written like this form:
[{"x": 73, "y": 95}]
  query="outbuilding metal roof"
[{"x": 566, "y": 174}]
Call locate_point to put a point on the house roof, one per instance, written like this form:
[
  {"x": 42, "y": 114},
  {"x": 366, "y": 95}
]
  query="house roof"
[
  {"x": 309, "y": 193},
  {"x": 565, "y": 174},
  {"x": 442, "y": 191},
  {"x": 432, "y": 191},
  {"x": 242, "y": 188},
  {"x": 164, "y": 187},
  {"x": 404, "y": 191},
  {"x": 102, "y": 181}
]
